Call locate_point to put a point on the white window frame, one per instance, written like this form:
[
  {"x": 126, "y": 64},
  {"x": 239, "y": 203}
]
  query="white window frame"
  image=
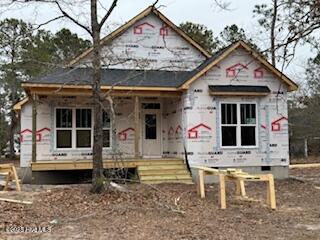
[
  {"x": 238, "y": 126},
  {"x": 59, "y": 128},
  {"x": 110, "y": 134},
  {"x": 73, "y": 129},
  {"x": 81, "y": 128}
]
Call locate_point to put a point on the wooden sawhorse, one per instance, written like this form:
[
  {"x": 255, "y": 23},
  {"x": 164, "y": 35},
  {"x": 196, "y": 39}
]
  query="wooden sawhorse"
[
  {"x": 10, "y": 173},
  {"x": 238, "y": 177}
]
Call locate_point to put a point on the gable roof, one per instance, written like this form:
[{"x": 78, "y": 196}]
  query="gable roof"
[
  {"x": 131, "y": 22},
  {"x": 219, "y": 56}
]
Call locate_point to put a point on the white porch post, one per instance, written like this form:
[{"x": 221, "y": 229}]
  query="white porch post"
[
  {"x": 34, "y": 128},
  {"x": 136, "y": 127}
]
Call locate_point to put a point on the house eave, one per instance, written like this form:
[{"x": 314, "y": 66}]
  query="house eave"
[{"x": 86, "y": 90}]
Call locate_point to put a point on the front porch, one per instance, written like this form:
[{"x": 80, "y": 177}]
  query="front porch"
[{"x": 141, "y": 125}]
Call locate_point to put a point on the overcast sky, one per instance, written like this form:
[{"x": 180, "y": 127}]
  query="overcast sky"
[{"x": 200, "y": 11}]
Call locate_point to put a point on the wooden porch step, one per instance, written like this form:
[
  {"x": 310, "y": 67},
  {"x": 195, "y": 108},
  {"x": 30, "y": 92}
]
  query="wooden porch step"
[
  {"x": 159, "y": 162},
  {"x": 163, "y": 172},
  {"x": 165, "y": 177},
  {"x": 162, "y": 167},
  {"x": 175, "y": 171},
  {"x": 168, "y": 181}
]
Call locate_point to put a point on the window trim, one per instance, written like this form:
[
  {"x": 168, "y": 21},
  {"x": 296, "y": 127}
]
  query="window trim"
[
  {"x": 110, "y": 130},
  {"x": 239, "y": 125},
  {"x": 59, "y": 128},
  {"x": 83, "y": 128},
  {"x": 73, "y": 129}
]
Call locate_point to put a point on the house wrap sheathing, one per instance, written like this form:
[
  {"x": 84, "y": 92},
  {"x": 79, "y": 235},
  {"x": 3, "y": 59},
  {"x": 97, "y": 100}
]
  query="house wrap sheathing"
[{"x": 150, "y": 54}]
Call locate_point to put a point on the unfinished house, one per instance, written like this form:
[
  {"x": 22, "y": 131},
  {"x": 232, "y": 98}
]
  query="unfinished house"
[{"x": 174, "y": 103}]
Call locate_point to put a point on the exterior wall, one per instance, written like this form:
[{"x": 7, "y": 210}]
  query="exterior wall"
[
  {"x": 173, "y": 130},
  {"x": 46, "y": 127},
  {"x": 150, "y": 44},
  {"x": 203, "y": 120}
]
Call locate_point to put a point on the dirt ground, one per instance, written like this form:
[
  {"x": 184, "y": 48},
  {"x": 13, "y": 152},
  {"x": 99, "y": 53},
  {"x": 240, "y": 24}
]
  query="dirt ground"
[{"x": 166, "y": 211}]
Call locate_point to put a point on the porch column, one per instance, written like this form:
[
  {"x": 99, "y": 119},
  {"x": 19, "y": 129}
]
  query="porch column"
[
  {"x": 136, "y": 127},
  {"x": 34, "y": 127}
]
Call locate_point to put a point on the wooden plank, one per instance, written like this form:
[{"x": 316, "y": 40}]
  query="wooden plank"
[
  {"x": 240, "y": 188},
  {"x": 136, "y": 127},
  {"x": 125, "y": 163},
  {"x": 222, "y": 182},
  {"x": 18, "y": 105},
  {"x": 15, "y": 177},
  {"x": 168, "y": 181},
  {"x": 271, "y": 191},
  {"x": 304, "y": 165},
  {"x": 201, "y": 183},
  {"x": 163, "y": 172},
  {"x": 15, "y": 200},
  {"x": 166, "y": 177}
]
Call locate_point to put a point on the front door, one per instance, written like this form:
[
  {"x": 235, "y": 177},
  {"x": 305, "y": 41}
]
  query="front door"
[{"x": 151, "y": 130}]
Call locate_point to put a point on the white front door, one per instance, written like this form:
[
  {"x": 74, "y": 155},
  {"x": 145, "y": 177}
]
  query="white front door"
[{"x": 151, "y": 130}]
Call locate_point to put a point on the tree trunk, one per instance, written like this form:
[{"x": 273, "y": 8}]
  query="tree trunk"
[
  {"x": 97, "y": 171},
  {"x": 12, "y": 129},
  {"x": 272, "y": 32},
  {"x": 13, "y": 99}
]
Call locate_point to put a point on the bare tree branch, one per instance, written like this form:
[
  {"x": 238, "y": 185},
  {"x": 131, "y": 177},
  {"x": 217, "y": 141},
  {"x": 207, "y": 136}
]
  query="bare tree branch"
[
  {"x": 72, "y": 19},
  {"x": 103, "y": 20}
]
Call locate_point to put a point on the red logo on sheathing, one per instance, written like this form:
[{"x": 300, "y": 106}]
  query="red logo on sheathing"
[
  {"x": 39, "y": 134},
  {"x": 139, "y": 28},
  {"x": 164, "y": 31},
  {"x": 194, "y": 132},
  {"x": 275, "y": 125},
  {"x": 258, "y": 72},
  {"x": 124, "y": 134},
  {"x": 234, "y": 69}
]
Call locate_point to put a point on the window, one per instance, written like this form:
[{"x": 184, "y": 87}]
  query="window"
[
  {"x": 64, "y": 128},
  {"x": 83, "y": 128},
  {"x": 238, "y": 125},
  {"x": 106, "y": 130},
  {"x": 150, "y": 105},
  {"x": 150, "y": 126},
  {"x": 74, "y": 128}
]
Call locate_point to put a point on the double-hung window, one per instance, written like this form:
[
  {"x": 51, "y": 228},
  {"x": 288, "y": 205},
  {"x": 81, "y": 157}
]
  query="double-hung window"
[
  {"x": 74, "y": 128},
  {"x": 83, "y": 128},
  {"x": 238, "y": 125},
  {"x": 64, "y": 128}
]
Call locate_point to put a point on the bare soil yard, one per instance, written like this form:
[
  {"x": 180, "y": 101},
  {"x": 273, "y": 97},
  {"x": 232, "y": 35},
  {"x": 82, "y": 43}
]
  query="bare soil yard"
[{"x": 167, "y": 211}]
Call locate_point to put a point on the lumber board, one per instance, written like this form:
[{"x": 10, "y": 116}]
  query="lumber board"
[
  {"x": 52, "y": 165},
  {"x": 304, "y": 165},
  {"x": 15, "y": 201}
]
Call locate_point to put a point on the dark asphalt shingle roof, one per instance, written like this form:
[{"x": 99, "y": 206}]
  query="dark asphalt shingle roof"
[
  {"x": 115, "y": 77},
  {"x": 124, "y": 77},
  {"x": 239, "y": 88}
]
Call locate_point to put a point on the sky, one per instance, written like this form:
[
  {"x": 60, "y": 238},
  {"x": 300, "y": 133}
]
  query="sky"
[{"x": 201, "y": 11}]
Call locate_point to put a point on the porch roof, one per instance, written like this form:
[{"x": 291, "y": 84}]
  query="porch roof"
[
  {"x": 114, "y": 77},
  {"x": 238, "y": 90}
]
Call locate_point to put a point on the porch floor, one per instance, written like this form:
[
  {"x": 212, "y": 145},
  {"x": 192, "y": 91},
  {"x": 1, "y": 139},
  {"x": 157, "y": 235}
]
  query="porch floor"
[
  {"x": 149, "y": 170},
  {"x": 50, "y": 165}
]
